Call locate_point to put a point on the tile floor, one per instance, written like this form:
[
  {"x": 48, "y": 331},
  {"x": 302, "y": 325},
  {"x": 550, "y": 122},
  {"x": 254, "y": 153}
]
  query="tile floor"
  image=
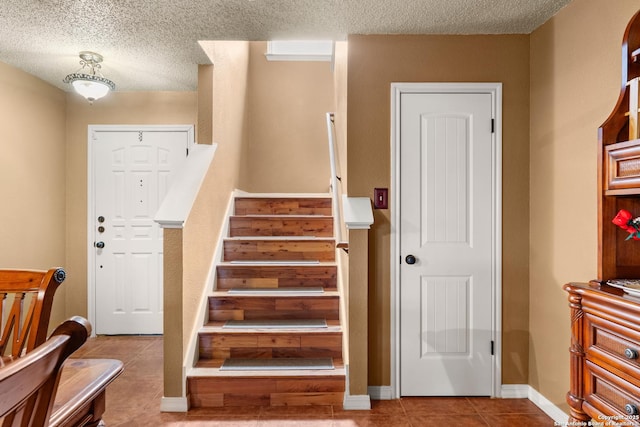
[{"x": 134, "y": 400}]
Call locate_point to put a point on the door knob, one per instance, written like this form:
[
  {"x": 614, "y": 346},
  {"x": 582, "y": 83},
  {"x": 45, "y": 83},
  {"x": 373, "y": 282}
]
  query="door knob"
[
  {"x": 99, "y": 245},
  {"x": 410, "y": 259}
]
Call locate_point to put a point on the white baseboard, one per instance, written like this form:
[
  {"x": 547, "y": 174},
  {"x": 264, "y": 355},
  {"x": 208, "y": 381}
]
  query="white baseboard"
[
  {"x": 356, "y": 403},
  {"x": 507, "y": 391},
  {"x": 174, "y": 404},
  {"x": 557, "y": 414},
  {"x": 384, "y": 392},
  {"x": 515, "y": 391}
]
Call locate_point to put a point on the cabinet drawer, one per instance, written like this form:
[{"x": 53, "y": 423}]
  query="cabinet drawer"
[
  {"x": 613, "y": 344},
  {"x": 609, "y": 394},
  {"x": 622, "y": 167}
]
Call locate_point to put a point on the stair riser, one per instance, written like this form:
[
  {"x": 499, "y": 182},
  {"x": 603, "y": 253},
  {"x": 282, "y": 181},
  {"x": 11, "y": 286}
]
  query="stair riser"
[
  {"x": 282, "y": 206},
  {"x": 251, "y": 226},
  {"x": 290, "y": 391},
  {"x": 267, "y": 353},
  {"x": 268, "y": 308},
  {"x": 230, "y": 277},
  {"x": 279, "y": 250},
  {"x": 286, "y": 345}
]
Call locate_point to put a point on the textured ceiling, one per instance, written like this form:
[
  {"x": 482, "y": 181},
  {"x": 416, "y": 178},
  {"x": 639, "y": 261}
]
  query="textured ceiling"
[{"x": 153, "y": 44}]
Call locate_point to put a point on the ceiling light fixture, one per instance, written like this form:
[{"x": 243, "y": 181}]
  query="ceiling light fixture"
[{"x": 88, "y": 81}]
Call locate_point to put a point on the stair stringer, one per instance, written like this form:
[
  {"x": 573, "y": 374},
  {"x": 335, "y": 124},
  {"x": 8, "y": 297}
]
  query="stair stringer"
[{"x": 181, "y": 404}]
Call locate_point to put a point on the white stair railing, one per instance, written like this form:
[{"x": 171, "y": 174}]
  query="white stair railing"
[{"x": 336, "y": 181}]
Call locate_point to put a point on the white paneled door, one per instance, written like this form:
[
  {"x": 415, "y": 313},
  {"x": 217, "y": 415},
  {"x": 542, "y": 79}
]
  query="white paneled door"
[
  {"x": 446, "y": 244},
  {"x": 132, "y": 169}
]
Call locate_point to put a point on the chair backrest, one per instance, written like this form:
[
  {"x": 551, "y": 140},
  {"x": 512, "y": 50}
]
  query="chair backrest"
[
  {"x": 28, "y": 384},
  {"x": 22, "y": 330}
]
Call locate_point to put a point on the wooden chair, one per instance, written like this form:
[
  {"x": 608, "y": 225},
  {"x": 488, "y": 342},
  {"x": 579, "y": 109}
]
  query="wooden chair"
[
  {"x": 28, "y": 384},
  {"x": 23, "y": 330}
]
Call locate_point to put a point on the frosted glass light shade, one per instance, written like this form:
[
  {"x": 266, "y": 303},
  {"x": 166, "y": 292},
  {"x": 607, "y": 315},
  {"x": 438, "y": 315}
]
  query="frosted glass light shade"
[
  {"x": 91, "y": 87},
  {"x": 90, "y": 90}
]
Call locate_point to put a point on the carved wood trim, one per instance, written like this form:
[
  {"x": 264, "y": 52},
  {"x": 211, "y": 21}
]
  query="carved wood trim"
[
  {"x": 622, "y": 167},
  {"x": 575, "y": 396}
]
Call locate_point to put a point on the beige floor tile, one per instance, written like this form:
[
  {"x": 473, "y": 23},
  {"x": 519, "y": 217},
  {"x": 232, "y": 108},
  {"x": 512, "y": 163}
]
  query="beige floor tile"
[{"x": 133, "y": 400}]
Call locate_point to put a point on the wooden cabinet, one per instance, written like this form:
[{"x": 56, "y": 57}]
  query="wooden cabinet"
[
  {"x": 605, "y": 351},
  {"x": 619, "y": 167},
  {"x": 605, "y": 321}
]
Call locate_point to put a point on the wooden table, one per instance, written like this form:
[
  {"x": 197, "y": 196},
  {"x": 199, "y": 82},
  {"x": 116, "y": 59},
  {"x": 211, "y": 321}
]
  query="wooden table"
[{"x": 80, "y": 399}]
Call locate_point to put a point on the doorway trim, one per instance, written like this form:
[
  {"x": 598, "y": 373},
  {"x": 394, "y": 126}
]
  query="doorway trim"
[
  {"x": 91, "y": 280},
  {"x": 495, "y": 89}
]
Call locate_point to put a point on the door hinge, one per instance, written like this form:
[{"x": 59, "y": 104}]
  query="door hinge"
[
  {"x": 493, "y": 125},
  {"x": 492, "y": 345},
  {"x": 187, "y": 151}
]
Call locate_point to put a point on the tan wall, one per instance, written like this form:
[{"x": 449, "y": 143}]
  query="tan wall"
[
  {"x": 575, "y": 82},
  {"x": 375, "y": 62},
  {"x": 32, "y": 176},
  {"x": 221, "y": 117},
  {"x": 139, "y": 108},
  {"x": 229, "y": 87},
  {"x": 288, "y": 139}
]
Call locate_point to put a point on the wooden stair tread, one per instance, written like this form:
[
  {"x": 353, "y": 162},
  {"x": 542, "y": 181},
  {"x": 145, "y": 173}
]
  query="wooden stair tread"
[
  {"x": 284, "y": 216},
  {"x": 280, "y": 238},
  {"x": 283, "y": 294},
  {"x": 279, "y": 324},
  {"x": 218, "y": 328},
  {"x": 211, "y": 368},
  {"x": 311, "y": 290},
  {"x": 333, "y": 325},
  {"x": 278, "y": 364},
  {"x": 275, "y": 265}
]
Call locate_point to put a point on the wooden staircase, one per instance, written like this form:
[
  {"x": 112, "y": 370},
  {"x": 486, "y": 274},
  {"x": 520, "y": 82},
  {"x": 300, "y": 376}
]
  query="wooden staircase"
[{"x": 276, "y": 310}]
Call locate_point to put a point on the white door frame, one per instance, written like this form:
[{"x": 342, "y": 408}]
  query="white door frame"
[
  {"x": 91, "y": 232},
  {"x": 495, "y": 89}
]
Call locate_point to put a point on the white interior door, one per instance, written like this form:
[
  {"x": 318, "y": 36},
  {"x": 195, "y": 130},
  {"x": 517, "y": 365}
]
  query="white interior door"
[
  {"x": 132, "y": 171},
  {"x": 446, "y": 225}
]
